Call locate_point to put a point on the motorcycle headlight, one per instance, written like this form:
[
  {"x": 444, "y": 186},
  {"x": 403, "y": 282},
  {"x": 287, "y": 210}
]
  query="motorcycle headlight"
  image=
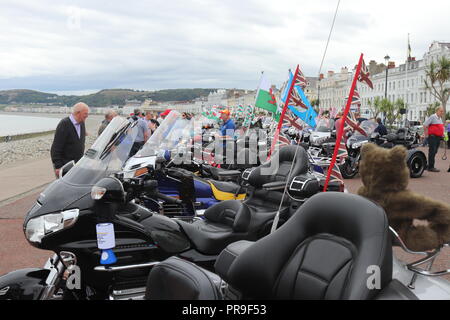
[{"x": 42, "y": 226}]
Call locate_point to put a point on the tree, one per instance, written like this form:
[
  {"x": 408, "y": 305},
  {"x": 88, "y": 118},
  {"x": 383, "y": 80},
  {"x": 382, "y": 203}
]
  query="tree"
[
  {"x": 375, "y": 107},
  {"x": 437, "y": 74},
  {"x": 431, "y": 109},
  {"x": 392, "y": 110}
]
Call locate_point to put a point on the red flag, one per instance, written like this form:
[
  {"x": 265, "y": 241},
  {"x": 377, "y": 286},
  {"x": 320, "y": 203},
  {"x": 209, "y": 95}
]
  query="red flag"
[
  {"x": 364, "y": 75},
  {"x": 290, "y": 121},
  {"x": 296, "y": 101},
  {"x": 341, "y": 129},
  {"x": 335, "y": 174},
  {"x": 300, "y": 80},
  {"x": 354, "y": 124}
]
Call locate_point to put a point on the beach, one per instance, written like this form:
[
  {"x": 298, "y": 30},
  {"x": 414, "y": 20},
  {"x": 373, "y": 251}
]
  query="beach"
[{"x": 37, "y": 147}]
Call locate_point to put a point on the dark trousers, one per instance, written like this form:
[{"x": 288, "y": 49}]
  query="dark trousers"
[
  {"x": 448, "y": 142},
  {"x": 434, "y": 142}
]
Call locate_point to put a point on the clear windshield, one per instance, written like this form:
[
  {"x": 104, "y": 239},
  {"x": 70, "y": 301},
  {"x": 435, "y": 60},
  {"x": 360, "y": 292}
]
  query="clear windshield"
[
  {"x": 368, "y": 126},
  {"x": 325, "y": 125},
  {"x": 106, "y": 156},
  {"x": 172, "y": 131}
]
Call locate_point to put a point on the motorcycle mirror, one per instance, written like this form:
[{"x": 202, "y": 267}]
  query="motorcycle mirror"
[
  {"x": 66, "y": 168},
  {"x": 109, "y": 189}
]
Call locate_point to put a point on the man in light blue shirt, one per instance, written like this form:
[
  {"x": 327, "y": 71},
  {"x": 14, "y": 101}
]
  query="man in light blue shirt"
[{"x": 142, "y": 132}]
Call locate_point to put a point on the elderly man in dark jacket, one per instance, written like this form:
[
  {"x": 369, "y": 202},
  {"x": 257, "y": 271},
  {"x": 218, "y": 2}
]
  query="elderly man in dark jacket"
[{"x": 70, "y": 137}]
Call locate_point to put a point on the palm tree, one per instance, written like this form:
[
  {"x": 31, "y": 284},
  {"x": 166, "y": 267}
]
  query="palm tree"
[
  {"x": 437, "y": 74},
  {"x": 375, "y": 107},
  {"x": 392, "y": 110}
]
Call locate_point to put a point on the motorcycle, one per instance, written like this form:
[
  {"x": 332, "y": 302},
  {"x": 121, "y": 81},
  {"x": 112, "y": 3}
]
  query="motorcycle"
[
  {"x": 417, "y": 161},
  {"x": 178, "y": 174},
  {"x": 71, "y": 217},
  {"x": 350, "y": 167},
  {"x": 355, "y": 244},
  {"x": 324, "y": 132}
]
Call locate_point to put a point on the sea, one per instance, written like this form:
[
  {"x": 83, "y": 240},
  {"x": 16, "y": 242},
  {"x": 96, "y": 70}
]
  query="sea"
[{"x": 11, "y": 125}]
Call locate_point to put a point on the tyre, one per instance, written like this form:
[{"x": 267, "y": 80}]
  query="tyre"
[
  {"x": 416, "y": 165},
  {"x": 347, "y": 170}
]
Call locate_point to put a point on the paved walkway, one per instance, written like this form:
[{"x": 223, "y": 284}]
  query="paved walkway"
[{"x": 17, "y": 181}]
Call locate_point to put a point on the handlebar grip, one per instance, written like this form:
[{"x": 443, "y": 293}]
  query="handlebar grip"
[{"x": 168, "y": 198}]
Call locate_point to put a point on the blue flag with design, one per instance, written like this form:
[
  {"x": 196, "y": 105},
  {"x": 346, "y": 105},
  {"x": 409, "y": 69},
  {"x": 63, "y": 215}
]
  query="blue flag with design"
[{"x": 299, "y": 103}]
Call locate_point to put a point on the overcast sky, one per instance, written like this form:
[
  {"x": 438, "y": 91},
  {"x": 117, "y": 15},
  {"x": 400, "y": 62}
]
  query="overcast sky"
[{"x": 82, "y": 46}]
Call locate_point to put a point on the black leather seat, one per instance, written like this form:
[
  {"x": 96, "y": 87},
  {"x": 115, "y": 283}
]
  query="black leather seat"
[
  {"x": 323, "y": 252},
  {"x": 233, "y": 220},
  {"x": 327, "y": 250},
  {"x": 225, "y": 186},
  {"x": 224, "y": 223}
]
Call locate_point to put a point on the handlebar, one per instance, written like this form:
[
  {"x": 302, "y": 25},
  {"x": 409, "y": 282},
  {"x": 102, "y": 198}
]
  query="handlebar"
[{"x": 167, "y": 198}]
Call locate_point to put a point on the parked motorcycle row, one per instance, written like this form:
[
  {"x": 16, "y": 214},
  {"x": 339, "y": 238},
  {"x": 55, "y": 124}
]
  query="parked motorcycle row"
[
  {"x": 321, "y": 142},
  {"x": 176, "y": 216}
]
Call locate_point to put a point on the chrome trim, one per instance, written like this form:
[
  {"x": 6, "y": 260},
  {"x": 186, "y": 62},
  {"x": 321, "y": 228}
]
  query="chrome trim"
[
  {"x": 129, "y": 267},
  {"x": 56, "y": 271},
  {"x": 4, "y": 291},
  {"x": 128, "y": 294},
  {"x": 429, "y": 257},
  {"x": 68, "y": 258}
]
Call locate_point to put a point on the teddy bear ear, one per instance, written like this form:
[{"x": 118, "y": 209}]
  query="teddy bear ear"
[{"x": 398, "y": 154}]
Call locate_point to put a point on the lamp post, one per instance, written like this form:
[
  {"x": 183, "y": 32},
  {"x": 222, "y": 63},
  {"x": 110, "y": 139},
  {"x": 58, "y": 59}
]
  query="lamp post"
[{"x": 387, "y": 72}]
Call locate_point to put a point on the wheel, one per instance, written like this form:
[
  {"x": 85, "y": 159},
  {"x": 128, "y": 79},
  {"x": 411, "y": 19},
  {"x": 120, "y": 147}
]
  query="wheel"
[
  {"x": 347, "y": 171},
  {"x": 417, "y": 165}
]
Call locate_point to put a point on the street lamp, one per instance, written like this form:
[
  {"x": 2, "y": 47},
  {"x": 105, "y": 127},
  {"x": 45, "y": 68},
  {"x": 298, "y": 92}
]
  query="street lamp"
[{"x": 387, "y": 71}]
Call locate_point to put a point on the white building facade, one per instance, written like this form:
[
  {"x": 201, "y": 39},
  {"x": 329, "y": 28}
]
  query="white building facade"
[
  {"x": 406, "y": 82},
  {"x": 333, "y": 90}
]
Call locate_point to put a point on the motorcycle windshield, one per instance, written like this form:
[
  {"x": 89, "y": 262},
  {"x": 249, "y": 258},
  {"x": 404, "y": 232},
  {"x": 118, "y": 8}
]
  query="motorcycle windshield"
[
  {"x": 368, "y": 126},
  {"x": 325, "y": 125},
  {"x": 173, "y": 130},
  {"x": 106, "y": 156}
]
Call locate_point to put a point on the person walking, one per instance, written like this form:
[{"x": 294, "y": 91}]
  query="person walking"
[
  {"x": 70, "y": 136},
  {"x": 142, "y": 132},
  {"x": 434, "y": 130},
  {"x": 109, "y": 115}
]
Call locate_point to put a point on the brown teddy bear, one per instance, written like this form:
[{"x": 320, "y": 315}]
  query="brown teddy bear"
[{"x": 422, "y": 223}]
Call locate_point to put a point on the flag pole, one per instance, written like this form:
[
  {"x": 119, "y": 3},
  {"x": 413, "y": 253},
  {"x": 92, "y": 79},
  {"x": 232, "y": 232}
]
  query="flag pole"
[
  {"x": 406, "y": 81},
  {"x": 280, "y": 122},
  {"x": 344, "y": 119}
]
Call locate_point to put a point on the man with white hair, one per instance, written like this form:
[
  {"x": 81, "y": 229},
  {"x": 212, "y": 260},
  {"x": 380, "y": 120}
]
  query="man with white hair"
[
  {"x": 109, "y": 115},
  {"x": 70, "y": 135}
]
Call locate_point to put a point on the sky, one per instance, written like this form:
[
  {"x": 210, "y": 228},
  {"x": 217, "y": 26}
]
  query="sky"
[{"x": 84, "y": 46}]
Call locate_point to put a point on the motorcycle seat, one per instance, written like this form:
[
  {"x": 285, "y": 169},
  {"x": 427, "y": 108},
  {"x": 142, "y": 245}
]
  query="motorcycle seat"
[
  {"x": 224, "y": 223},
  {"x": 330, "y": 249},
  {"x": 224, "y": 186}
]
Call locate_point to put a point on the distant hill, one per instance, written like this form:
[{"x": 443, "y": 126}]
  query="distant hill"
[{"x": 102, "y": 98}]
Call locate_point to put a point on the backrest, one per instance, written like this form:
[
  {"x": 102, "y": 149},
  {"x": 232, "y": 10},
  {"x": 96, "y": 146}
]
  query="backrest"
[
  {"x": 327, "y": 250},
  {"x": 279, "y": 166},
  {"x": 232, "y": 213}
]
